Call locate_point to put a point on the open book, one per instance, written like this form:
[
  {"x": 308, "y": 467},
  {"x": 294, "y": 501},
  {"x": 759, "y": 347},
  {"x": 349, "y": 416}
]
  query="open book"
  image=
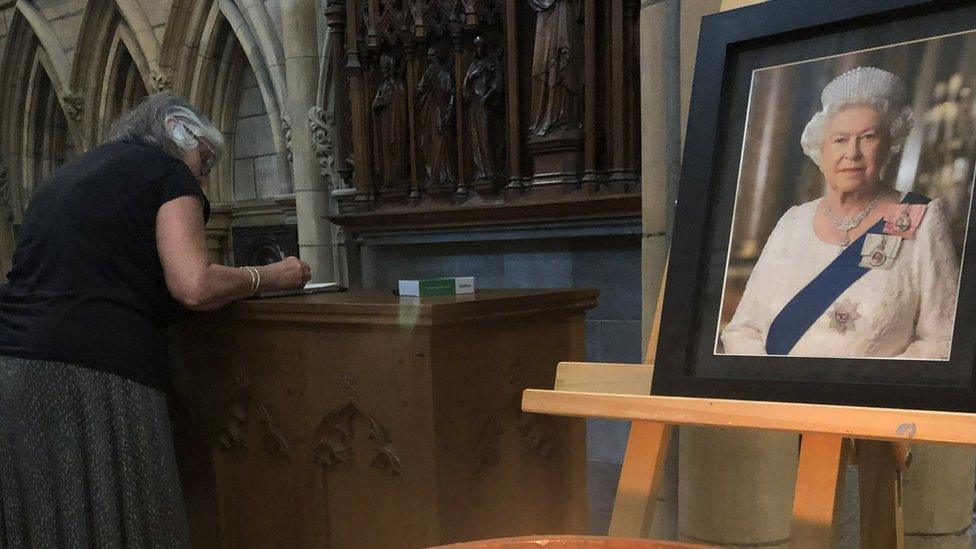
[{"x": 310, "y": 288}]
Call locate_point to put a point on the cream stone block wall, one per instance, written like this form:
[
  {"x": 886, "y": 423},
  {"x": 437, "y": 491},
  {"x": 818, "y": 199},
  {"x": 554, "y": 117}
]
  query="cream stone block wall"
[
  {"x": 157, "y": 11},
  {"x": 938, "y": 497},
  {"x": 735, "y": 486},
  {"x": 256, "y": 171},
  {"x": 65, "y": 19}
]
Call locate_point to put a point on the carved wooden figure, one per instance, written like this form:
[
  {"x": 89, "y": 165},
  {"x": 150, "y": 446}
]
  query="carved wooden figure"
[
  {"x": 391, "y": 126},
  {"x": 541, "y": 124},
  {"x": 436, "y": 93},
  {"x": 483, "y": 85},
  {"x": 556, "y": 61}
]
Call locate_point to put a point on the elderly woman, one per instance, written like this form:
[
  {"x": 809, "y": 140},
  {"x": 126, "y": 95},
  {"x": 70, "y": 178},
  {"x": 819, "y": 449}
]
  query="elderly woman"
[
  {"x": 864, "y": 271},
  {"x": 110, "y": 251}
]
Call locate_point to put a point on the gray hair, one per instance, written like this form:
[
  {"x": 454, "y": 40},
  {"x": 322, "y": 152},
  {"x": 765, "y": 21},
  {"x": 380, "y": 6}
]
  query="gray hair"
[
  {"x": 896, "y": 122},
  {"x": 166, "y": 121}
]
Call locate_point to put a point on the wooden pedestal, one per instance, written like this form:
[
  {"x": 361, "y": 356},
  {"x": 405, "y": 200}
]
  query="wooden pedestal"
[{"x": 365, "y": 420}]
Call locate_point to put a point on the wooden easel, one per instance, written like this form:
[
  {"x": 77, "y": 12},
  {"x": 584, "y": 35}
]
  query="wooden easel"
[{"x": 829, "y": 434}]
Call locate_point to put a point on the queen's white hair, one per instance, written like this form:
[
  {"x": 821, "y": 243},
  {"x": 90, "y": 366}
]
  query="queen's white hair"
[
  {"x": 897, "y": 123},
  {"x": 866, "y": 86},
  {"x": 167, "y": 121}
]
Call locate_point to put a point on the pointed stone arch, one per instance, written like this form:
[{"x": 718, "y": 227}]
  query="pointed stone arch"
[
  {"x": 142, "y": 34},
  {"x": 60, "y": 66},
  {"x": 122, "y": 86},
  {"x": 35, "y": 111},
  {"x": 116, "y": 63},
  {"x": 211, "y": 46}
]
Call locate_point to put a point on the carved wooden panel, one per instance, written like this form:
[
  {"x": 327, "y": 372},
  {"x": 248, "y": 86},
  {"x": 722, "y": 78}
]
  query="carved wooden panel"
[
  {"x": 232, "y": 434},
  {"x": 336, "y": 430},
  {"x": 472, "y": 102},
  {"x": 355, "y": 420}
]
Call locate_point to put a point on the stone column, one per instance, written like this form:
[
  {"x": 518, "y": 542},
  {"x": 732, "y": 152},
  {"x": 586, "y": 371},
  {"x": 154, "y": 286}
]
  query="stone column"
[
  {"x": 311, "y": 195},
  {"x": 660, "y": 160},
  {"x": 938, "y": 497},
  {"x": 734, "y": 486}
]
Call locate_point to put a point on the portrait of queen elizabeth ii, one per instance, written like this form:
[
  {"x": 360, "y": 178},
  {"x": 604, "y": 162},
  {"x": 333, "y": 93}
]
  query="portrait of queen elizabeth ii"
[{"x": 865, "y": 270}]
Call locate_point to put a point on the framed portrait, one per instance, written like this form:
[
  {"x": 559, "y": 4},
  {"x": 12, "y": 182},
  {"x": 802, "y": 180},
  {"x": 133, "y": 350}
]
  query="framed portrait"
[{"x": 823, "y": 238}]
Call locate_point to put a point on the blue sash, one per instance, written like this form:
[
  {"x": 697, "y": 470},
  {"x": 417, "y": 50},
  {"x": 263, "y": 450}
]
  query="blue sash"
[{"x": 811, "y": 302}]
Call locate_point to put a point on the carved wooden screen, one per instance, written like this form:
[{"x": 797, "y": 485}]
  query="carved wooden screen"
[{"x": 486, "y": 103}]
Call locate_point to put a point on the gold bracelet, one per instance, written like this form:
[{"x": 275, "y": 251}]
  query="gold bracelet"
[
  {"x": 257, "y": 284},
  {"x": 254, "y": 282}
]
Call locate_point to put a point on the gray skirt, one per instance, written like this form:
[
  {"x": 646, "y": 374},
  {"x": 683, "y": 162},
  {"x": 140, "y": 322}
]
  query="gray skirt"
[{"x": 86, "y": 460}]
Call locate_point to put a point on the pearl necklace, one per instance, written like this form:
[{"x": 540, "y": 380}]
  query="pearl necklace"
[{"x": 847, "y": 225}]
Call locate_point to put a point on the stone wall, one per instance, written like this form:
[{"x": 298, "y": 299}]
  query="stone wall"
[
  {"x": 64, "y": 17},
  {"x": 255, "y": 160}
]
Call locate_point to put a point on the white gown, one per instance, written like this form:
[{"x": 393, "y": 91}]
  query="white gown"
[{"x": 905, "y": 311}]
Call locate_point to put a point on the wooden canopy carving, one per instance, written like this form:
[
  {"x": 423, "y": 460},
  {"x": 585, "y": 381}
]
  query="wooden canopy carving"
[{"x": 447, "y": 103}]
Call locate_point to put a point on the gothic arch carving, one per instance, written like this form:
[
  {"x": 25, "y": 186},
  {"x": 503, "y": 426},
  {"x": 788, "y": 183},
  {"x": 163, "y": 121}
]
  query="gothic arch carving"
[
  {"x": 115, "y": 52},
  {"x": 138, "y": 23},
  {"x": 209, "y": 44},
  {"x": 122, "y": 85},
  {"x": 257, "y": 22},
  {"x": 33, "y": 104},
  {"x": 44, "y": 140},
  {"x": 194, "y": 26},
  {"x": 59, "y": 65},
  {"x": 271, "y": 82}
]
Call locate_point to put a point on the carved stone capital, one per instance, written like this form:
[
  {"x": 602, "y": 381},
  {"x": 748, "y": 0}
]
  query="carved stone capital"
[
  {"x": 160, "y": 79},
  {"x": 322, "y": 128},
  {"x": 73, "y": 104},
  {"x": 286, "y": 131}
]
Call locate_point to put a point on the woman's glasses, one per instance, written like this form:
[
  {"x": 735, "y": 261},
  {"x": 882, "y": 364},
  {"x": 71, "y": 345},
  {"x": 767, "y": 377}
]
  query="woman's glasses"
[{"x": 206, "y": 161}]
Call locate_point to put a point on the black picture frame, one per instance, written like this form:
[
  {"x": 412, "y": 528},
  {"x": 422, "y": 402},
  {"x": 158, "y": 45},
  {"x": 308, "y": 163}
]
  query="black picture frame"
[{"x": 731, "y": 45}]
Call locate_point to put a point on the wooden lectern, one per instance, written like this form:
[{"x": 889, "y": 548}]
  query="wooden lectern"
[
  {"x": 364, "y": 420},
  {"x": 881, "y": 437}
]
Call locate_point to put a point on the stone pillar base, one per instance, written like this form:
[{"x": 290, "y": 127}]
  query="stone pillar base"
[{"x": 736, "y": 486}]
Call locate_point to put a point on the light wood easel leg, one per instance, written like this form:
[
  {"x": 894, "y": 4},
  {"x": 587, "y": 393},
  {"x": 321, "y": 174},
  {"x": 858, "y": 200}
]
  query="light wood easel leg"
[
  {"x": 880, "y": 466},
  {"x": 819, "y": 481},
  {"x": 647, "y": 448}
]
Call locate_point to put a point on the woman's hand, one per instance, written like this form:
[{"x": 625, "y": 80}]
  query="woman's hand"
[
  {"x": 289, "y": 273},
  {"x": 196, "y": 282}
]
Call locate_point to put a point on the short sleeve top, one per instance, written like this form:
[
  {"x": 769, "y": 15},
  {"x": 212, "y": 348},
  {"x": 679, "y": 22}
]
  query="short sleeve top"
[{"x": 87, "y": 286}]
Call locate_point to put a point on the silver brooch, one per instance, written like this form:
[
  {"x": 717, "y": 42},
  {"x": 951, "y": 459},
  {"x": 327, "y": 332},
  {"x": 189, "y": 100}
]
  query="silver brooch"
[
  {"x": 878, "y": 256},
  {"x": 843, "y": 315},
  {"x": 904, "y": 221}
]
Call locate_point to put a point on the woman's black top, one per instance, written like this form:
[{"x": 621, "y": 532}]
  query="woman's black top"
[{"x": 87, "y": 286}]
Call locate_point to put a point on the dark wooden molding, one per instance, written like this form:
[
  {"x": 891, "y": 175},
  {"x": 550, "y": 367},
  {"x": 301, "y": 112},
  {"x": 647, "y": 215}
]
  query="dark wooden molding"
[
  {"x": 592, "y": 207},
  {"x": 381, "y": 307}
]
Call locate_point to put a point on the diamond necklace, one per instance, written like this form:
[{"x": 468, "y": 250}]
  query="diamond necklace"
[{"x": 847, "y": 225}]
